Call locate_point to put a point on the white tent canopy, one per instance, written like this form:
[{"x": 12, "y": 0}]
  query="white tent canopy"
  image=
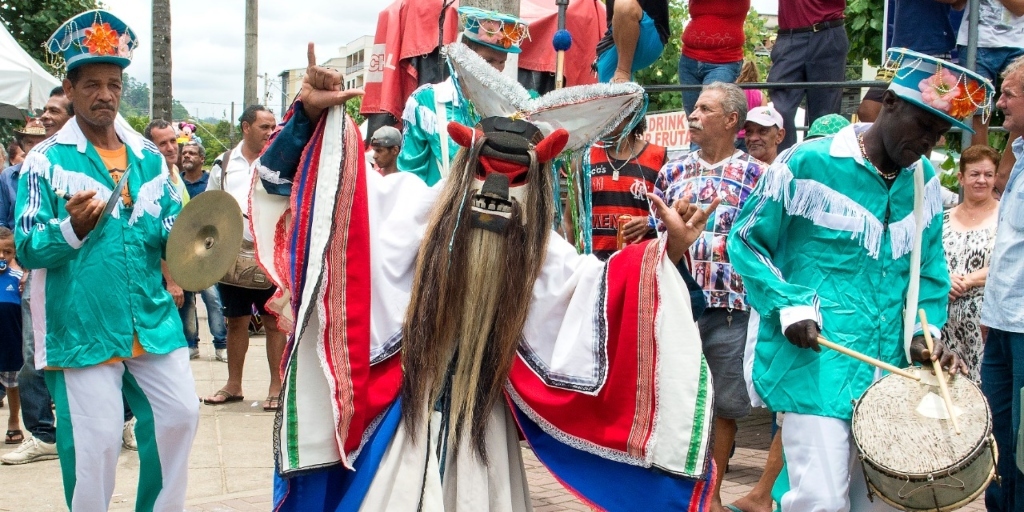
[{"x": 24, "y": 84}]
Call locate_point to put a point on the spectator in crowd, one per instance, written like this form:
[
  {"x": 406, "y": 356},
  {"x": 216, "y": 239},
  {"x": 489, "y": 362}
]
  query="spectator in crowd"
[
  {"x": 755, "y": 97},
  {"x": 161, "y": 134},
  {"x": 968, "y": 234},
  {"x": 729, "y": 175},
  {"x": 1002, "y": 365},
  {"x": 427, "y": 150},
  {"x": 36, "y": 404},
  {"x": 712, "y": 45},
  {"x": 31, "y": 134},
  {"x": 811, "y": 47},
  {"x": 15, "y": 155},
  {"x": 386, "y": 144},
  {"x": 110, "y": 327},
  {"x": 764, "y": 132},
  {"x": 233, "y": 172},
  {"x": 636, "y": 35},
  {"x": 10, "y": 333},
  {"x": 193, "y": 155},
  {"x": 826, "y": 125},
  {"x": 623, "y": 169},
  {"x": 56, "y": 112},
  {"x": 923, "y": 26},
  {"x": 1000, "y": 41}
]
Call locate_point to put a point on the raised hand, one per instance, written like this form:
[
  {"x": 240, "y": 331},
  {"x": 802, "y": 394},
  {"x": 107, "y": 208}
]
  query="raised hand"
[
  {"x": 683, "y": 222},
  {"x": 321, "y": 88}
]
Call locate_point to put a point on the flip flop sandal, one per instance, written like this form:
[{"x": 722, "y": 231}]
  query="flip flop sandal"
[
  {"x": 272, "y": 403},
  {"x": 14, "y": 437},
  {"x": 228, "y": 398}
]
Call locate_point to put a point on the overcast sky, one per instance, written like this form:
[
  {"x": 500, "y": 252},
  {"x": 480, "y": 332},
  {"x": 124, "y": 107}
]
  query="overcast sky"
[{"x": 208, "y": 36}]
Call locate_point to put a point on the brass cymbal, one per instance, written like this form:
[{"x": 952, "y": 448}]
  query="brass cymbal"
[{"x": 205, "y": 240}]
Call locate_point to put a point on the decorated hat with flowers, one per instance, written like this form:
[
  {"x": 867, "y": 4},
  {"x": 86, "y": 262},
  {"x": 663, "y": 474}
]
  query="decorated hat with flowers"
[
  {"x": 503, "y": 32},
  {"x": 942, "y": 88},
  {"x": 93, "y": 37}
]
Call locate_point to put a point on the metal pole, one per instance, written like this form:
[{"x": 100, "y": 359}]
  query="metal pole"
[
  {"x": 249, "y": 95},
  {"x": 969, "y": 60},
  {"x": 852, "y": 84},
  {"x": 560, "y": 54},
  {"x": 231, "y": 126}
]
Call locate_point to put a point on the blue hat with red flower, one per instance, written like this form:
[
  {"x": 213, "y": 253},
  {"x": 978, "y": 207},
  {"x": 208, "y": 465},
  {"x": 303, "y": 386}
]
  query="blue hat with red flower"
[
  {"x": 942, "y": 88},
  {"x": 503, "y": 32},
  {"x": 93, "y": 37}
]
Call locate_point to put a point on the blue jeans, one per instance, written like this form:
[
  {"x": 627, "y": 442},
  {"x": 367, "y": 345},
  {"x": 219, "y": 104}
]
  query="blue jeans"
[
  {"x": 215, "y": 313},
  {"x": 36, "y": 409},
  {"x": 991, "y": 62},
  {"x": 694, "y": 72},
  {"x": 1002, "y": 377},
  {"x": 648, "y": 50}
]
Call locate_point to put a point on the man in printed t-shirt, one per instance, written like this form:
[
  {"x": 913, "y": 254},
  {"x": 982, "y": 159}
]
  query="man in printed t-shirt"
[{"x": 718, "y": 172}]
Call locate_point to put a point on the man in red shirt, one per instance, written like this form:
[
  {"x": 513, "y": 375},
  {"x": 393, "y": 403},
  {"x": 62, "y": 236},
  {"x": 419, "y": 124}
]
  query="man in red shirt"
[{"x": 811, "y": 47}]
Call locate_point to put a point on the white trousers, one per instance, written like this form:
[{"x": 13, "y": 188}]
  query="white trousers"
[
  {"x": 90, "y": 417},
  {"x": 824, "y": 472}
]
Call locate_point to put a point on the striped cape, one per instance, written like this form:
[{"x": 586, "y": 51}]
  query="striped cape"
[{"x": 609, "y": 386}]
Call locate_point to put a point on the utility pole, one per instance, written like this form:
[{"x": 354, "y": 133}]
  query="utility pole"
[
  {"x": 249, "y": 95},
  {"x": 266, "y": 88},
  {"x": 160, "y": 94}
]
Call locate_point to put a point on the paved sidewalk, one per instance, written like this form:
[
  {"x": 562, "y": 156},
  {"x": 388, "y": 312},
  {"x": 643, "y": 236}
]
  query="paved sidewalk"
[{"x": 231, "y": 465}]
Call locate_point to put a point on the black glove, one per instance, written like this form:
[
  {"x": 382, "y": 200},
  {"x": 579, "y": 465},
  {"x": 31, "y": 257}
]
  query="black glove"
[{"x": 804, "y": 334}]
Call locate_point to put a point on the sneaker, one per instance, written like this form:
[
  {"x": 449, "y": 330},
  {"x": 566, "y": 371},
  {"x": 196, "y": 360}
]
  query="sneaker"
[
  {"x": 193, "y": 353},
  {"x": 30, "y": 450},
  {"x": 128, "y": 436},
  {"x": 221, "y": 354}
]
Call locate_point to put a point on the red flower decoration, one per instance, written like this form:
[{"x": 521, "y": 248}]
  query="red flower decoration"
[
  {"x": 101, "y": 40},
  {"x": 965, "y": 104}
]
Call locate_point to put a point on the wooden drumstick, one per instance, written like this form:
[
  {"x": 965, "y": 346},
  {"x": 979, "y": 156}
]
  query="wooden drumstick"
[
  {"x": 867, "y": 359},
  {"x": 938, "y": 371}
]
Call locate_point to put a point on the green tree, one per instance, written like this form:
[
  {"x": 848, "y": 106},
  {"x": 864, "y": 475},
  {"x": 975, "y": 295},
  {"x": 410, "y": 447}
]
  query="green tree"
[
  {"x": 666, "y": 69},
  {"x": 216, "y": 138},
  {"x": 352, "y": 108},
  {"x": 31, "y": 22},
  {"x": 864, "y": 28},
  {"x": 135, "y": 98}
]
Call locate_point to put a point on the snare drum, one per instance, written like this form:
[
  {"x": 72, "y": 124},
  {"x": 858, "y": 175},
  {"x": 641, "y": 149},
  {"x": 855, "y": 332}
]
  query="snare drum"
[{"x": 914, "y": 460}]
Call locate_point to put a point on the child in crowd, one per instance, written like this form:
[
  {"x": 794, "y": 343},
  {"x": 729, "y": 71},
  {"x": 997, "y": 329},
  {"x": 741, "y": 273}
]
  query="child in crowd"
[{"x": 10, "y": 332}]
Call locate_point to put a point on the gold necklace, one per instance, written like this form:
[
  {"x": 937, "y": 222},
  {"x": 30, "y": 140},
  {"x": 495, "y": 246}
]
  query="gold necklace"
[{"x": 888, "y": 176}]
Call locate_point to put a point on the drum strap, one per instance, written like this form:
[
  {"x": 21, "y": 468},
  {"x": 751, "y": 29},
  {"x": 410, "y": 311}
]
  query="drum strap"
[{"x": 910, "y": 313}]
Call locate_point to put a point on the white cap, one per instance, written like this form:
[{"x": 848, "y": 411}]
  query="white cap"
[{"x": 765, "y": 116}]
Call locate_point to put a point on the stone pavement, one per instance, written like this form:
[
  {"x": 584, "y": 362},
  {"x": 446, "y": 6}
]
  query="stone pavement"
[{"x": 232, "y": 463}]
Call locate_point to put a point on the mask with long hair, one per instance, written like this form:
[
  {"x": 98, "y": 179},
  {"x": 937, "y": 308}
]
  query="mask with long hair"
[{"x": 477, "y": 264}]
